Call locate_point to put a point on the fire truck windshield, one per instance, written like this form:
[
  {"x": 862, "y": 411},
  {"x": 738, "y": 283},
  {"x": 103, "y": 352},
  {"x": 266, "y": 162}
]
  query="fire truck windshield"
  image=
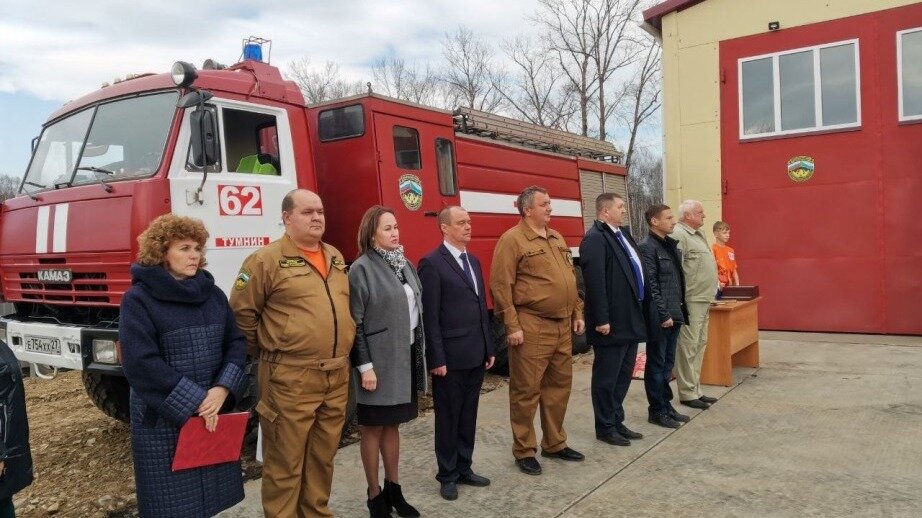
[{"x": 126, "y": 137}]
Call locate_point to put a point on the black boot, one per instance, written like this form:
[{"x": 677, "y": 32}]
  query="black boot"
[
  {"x": 377, "y": 506},
  {"x": 395, "y": 499}
]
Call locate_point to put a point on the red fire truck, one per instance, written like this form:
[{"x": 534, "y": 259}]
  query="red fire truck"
[{"x": 224, "y": 145}]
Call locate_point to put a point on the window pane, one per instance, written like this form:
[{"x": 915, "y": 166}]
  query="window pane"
[
  {"x": 406, "y": 148},
  {"x": 837, "y": 75},
  {"x": 797, "y": 93},
  {"x": 242, "y": 131},
  {"x": 57, "y": 151},
  {"x": 758, "y": 99},
  {"x": 912, "y": 73},
  {"x": 345, "y": 122},
  {"x": 445, "y": 161}
]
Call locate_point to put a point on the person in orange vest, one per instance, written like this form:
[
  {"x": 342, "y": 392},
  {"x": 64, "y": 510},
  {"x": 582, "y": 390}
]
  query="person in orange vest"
[{"x": 727, "y": 274}]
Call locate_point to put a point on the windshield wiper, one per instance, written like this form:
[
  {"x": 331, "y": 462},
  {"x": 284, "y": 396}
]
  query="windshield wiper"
[
  {"x": 31, "y": 194},
  {"x": 98, "y": 171}
]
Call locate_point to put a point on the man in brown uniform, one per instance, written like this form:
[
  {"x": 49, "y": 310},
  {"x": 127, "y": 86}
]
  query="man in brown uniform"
[
  {"x": 291, "y": 300},
  {"x": 534, "y": 292}
]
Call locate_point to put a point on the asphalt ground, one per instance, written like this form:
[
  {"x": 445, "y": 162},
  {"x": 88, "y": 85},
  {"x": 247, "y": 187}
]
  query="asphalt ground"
[{"x": 829, "y": 425}]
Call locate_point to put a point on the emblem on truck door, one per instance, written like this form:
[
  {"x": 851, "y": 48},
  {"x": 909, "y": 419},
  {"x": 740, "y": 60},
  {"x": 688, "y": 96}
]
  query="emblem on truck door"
[
  {"x": 411, "y": 191},
  {"x": 55, "y": 276}
]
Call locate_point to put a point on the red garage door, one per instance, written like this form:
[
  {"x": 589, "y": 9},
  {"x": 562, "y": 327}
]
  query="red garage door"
[{"x": 836, "y": 246}]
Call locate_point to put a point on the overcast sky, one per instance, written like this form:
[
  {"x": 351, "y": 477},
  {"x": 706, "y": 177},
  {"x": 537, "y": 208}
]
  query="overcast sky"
[{"x": 52, "y": 52}]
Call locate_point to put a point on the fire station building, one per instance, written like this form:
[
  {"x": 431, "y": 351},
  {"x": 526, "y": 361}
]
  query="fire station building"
[{"x": 799, "y": 122}]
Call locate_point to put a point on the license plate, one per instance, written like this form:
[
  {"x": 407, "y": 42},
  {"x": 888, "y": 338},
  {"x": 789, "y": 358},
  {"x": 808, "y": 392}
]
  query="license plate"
[{"x": 41, "y": 344}]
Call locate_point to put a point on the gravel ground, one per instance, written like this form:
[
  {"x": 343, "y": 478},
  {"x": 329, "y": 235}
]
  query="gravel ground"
[{"x": 83, "y": 458}]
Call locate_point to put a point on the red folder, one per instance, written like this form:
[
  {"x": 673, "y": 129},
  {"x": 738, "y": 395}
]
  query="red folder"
[{"x": 197, "y": 447}]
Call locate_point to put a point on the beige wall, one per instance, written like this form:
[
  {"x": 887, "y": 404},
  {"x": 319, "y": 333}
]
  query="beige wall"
[{"x": 691, "y": 105}]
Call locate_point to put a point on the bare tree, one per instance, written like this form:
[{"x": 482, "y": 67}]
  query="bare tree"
[
  {"x": 321, "y": 84},
  {"x": 567, "y": 26},
  {"x": 534, "y": 89},
  {"x": 612, "y": 24},
  {"x": 469, "y": 74},
  {"x": 395, "y": 78},
  {"x": 9, "y": 187},
  {"x": 645, "y": 189},
  {"x": 641, "y": 98}
]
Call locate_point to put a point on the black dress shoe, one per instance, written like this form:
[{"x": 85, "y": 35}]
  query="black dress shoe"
[
  {"x": 624, "y": 431},
  {"x": 614, "y": 439},
  {"x": 473, "y": 479},
  {"x": 529, "y": 465},
  {"x": 449, "y": 490},
  {"x": 664, "y": 420},
  {"x": 696, "y": 403},
  {"x": 566, "y": 453},
  {"x": 708, "y": 399},
  {"x": 682, "y": 418}
]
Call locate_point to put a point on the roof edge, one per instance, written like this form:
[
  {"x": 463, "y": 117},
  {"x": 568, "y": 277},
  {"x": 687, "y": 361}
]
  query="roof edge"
[{"x": 654, "y": 15}]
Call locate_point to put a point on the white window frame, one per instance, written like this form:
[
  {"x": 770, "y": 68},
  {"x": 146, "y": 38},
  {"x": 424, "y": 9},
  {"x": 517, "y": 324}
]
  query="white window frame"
[
  {"x": 899, "y": 76},
  {"x": 817, "y": 92}
]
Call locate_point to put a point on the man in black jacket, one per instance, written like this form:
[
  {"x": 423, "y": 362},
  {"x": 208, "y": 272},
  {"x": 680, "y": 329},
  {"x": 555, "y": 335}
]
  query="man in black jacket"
[
  {"x": 663, "y": 261},
  {"x": 616, "y": 302}
]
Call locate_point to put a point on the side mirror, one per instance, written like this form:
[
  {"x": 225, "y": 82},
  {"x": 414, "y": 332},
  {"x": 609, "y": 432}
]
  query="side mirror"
[
  {"x": 194, "y": 98},
  {"x": 203, "y": 126},
  {"x": 34, "y": 144}
]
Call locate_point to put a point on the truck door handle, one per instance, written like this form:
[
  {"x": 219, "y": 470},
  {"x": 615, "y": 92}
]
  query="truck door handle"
[{"x": 431, "y": 214}]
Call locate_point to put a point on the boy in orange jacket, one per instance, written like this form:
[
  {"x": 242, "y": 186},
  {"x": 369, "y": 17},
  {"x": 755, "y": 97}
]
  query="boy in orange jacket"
[{"x": 727, "y": 273}]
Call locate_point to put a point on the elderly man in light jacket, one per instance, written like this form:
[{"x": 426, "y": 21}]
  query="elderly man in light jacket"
[{"x": 700, "y": 271}]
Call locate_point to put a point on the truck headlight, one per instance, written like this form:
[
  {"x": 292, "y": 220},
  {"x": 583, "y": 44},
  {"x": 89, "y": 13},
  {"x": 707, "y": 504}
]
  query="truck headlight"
[
  {"x": 183, "y": 73},
  {"x": 106, "y": 351}
]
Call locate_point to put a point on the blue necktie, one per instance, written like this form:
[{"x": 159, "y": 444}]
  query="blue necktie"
[
  {"x": 467, "y": 270},
  {"x": 634, "y": 265}
]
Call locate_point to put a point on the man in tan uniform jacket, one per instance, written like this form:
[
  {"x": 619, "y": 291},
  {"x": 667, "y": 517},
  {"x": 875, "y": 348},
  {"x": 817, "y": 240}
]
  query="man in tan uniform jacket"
[
  {"x": 291, "y": 300},
  {"x": 534, "y": 292},
  {"x": 700, "y": 271}
]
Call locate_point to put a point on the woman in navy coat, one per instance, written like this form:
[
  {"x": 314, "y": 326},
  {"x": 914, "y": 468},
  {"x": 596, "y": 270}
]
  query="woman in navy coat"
[{"x": 183, "y": 355}]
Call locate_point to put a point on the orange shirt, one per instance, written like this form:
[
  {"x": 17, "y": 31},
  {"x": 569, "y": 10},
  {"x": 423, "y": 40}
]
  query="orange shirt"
[
  {"x": 315, "y": 257},
  {"x": 726, "y": 262}
]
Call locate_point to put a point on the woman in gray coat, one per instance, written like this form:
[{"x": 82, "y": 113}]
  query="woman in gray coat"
[{"x": 388, "y": 352}]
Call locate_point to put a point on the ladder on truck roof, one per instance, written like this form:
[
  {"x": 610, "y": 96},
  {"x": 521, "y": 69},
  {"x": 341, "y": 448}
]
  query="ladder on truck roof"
[{"x": 483, "y": 124}]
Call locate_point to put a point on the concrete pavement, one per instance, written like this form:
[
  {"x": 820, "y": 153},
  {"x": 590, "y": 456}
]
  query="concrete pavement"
[{"x": 829, "y": 425}]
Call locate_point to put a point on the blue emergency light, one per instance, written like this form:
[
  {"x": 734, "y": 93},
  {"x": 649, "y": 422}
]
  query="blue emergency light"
[
  {"x": 253, "y": 48},
  {"x": 252, "y": 52}
]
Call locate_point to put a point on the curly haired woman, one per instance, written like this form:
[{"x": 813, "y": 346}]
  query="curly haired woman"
[{"x": 183, "y": 355}]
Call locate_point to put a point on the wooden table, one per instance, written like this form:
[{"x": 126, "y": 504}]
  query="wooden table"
[{"x": 733, "y": 339}]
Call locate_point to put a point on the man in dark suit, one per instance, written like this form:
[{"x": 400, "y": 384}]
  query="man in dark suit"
[
  {"x": 616, "y": 305},
  {"x": 459, "y": 347}
]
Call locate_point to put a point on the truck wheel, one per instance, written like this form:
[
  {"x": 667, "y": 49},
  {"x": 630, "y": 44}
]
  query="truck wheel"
[
  {"x": 109, "y": 394},
  {"x": 500, "y": 348},
  {"x": 350, "y": 405},
  {"x": 580, "y": 342},
  {"x": 249, "y": 396}
]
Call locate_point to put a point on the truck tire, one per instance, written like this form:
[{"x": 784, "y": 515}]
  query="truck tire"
[
  {"x": 580, "y": 343},
  {"x": 248, "y": 399},
  {"x": 108, "y": 393},
  {"x": 500, "y": 348},
  {"x": 350, "y": 405}
]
